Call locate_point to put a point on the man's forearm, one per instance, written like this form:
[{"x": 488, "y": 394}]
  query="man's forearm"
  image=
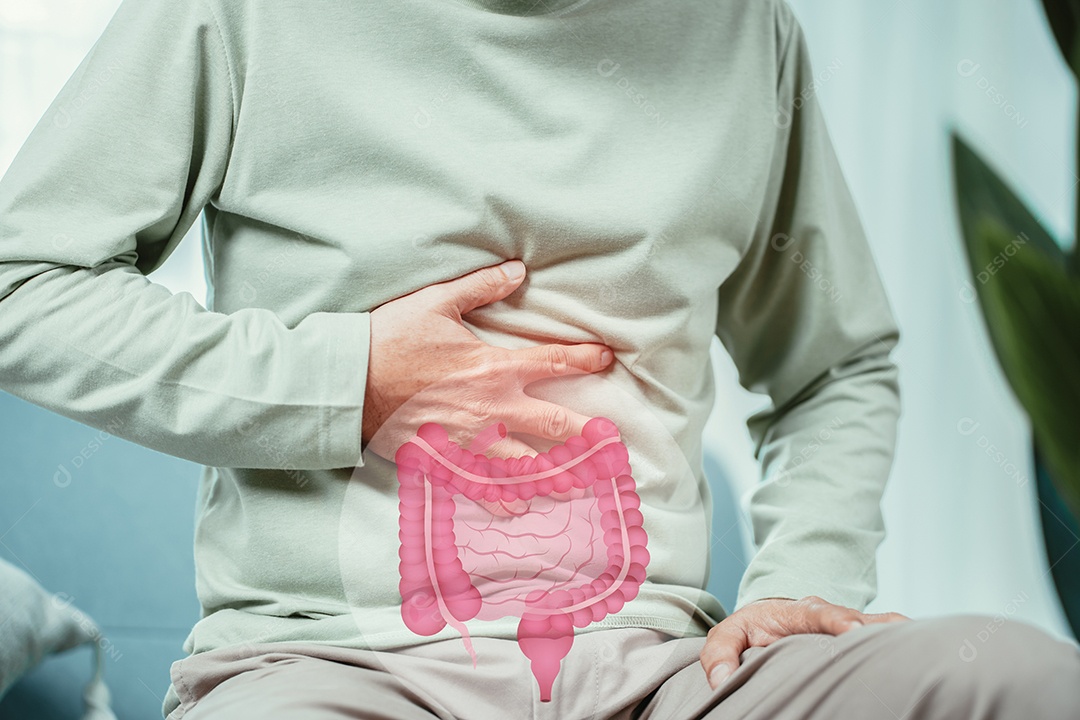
[
  {"x": 817, "y": 516},
  {"x": 241, "y": 390}
]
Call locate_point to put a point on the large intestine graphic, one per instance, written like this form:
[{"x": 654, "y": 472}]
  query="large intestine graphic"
[{"x": 555, "y": 539}]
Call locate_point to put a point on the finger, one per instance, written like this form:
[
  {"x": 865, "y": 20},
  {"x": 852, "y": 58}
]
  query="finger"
[
  {"x": 487, "y": 437},
  {"x": 545, "y": 420},
  {"x": 837, "y": 620},
  {"x": 510, "y": 447},
  {"x": 546, "y": 361},
  {"x": 813, "y": 614},
  {"x": 480, "y": 287},
  {"x": 504, "y": 447},
  {"x": 720, "y": 656},
  {"x": 885, "y": 617}
]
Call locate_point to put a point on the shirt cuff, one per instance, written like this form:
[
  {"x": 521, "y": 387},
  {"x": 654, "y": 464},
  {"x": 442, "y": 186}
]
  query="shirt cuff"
[{"x": 345, "y": 373}]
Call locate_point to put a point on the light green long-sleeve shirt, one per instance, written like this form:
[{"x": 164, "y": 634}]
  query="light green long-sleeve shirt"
[{"x": 663, "y": 170}]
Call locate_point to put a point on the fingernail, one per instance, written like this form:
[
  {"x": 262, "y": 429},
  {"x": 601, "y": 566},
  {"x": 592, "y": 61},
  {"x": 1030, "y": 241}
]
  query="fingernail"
[
  {"x": 852, "y": 624},
  {"x": 605, "y": 357},
  {"x": 719, "y": 674},
  {"x": 513, "y": 269}
]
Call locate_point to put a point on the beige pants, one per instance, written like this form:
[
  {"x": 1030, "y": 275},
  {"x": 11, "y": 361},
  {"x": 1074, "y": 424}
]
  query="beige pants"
[{"x": 954, "y": 666}]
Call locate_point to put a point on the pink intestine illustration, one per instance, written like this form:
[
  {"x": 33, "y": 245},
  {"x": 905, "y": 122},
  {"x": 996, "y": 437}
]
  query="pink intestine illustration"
[{"x": 554, "y": 539}]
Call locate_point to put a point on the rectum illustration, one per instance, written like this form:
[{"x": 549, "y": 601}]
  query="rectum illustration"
[{"x": 569, "y": 553}]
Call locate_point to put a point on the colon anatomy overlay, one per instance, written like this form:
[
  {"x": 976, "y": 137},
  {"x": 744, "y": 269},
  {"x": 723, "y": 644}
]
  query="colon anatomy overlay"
[{"x": 554, "y": 539}]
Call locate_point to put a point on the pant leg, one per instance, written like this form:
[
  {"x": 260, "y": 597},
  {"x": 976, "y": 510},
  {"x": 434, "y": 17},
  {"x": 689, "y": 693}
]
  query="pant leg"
[
  {"x": 970, "y": 666},
  {"x": 295, "y": 681}
]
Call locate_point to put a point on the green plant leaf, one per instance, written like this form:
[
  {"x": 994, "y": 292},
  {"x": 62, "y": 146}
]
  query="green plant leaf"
[
  {"x": 1032, "y": 310},
  {"x": 1031, "y": 304},
  {"x": 982, "y": 195},
  {"x": 1064, "y": 19}
]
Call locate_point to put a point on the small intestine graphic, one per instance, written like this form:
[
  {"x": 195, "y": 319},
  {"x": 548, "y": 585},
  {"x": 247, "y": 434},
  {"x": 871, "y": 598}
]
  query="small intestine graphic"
[{"x": 571, "y": 552}]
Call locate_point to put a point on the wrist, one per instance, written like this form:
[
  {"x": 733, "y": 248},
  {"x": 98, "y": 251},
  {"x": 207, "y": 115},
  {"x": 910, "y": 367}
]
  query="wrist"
[{"x": 372, "y": 415}]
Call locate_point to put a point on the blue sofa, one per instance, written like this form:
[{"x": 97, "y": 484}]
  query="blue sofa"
[{"x": 112, "y": 530}]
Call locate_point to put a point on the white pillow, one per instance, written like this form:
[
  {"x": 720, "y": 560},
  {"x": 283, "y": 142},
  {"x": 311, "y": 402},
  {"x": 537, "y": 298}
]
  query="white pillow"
[{"x": 35, "y": 623}]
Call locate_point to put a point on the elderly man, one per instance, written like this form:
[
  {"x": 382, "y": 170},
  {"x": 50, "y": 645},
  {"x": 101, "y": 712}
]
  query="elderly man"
[{"x": 448, "y": 216}]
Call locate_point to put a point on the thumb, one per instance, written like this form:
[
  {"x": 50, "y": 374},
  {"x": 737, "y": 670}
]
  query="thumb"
[
  {"x": 483, "y": 286},
  {"x": 720, "y": 656}
]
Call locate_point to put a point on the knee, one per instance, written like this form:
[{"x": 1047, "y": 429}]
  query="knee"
[{"x": 1000, "y": 668}]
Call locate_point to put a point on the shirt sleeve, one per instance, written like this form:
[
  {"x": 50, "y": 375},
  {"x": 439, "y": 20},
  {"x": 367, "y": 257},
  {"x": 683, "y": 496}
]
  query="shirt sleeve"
[
  {"x": 806, "y": 321},
  {"x": 110, "y": 179}
]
